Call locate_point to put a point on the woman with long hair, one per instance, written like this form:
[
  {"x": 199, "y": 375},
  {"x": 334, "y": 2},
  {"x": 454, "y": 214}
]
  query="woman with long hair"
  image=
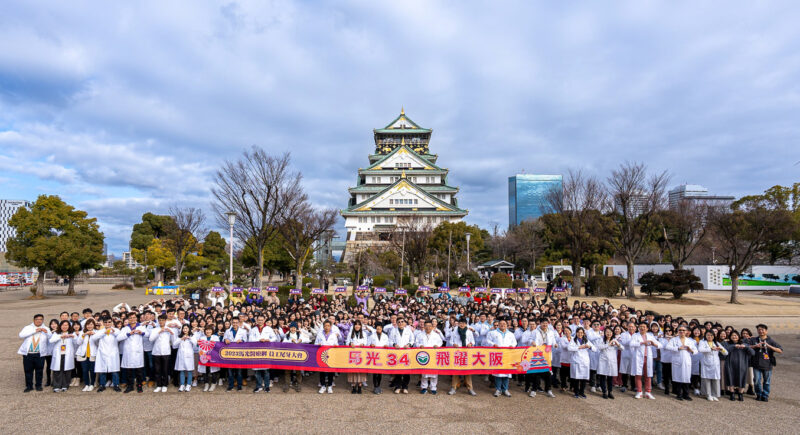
[
  {"x": 738, "y": 361},
  {"x": 710, "y": 350},
  {"x": 607, "y": 362},
  {"x": 357, "y": 337},
  {"x": 378, "y": 339},
  {"x": 87, "y": 352},
  {"x": 47, "y": 350},
  {"x": 580, "y": 362},
  {"x": 64, "y": 344},
  {"x": 697, "y": 336},
  {"x": 666, "y": 359},
  {"x": 184, "y": 360}
]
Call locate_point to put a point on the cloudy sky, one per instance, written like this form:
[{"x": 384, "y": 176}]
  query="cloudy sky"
[{"x": 124, "y": 108}]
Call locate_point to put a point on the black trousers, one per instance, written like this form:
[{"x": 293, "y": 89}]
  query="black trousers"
[
  {"x": 161, "y": 369},
  {"x": 564, "y": 373},
  {"x": 376, "y": 380},
  {"x": 61, "y": 377},
  {"x": 33, "y": 364},
  {"x": 555, "y": 377},
  {"x": 47, "y": 362},
  {"x": 593, "y": 378},
  {"x": 325, "y": 379},
  {"x": 606, "y": 383},
  {"x": 212, "y": 378},
  {"x": 695, "y": 382},
  {"x": 548, "y": 385},
  {"x": 136, "y": 374},
  {"x": 530, "y": 381},
  {"x": 172, "y": 372},
  {"x": 681, "y": 389},
  {"x": 402, "y": 381},
  {"x": 579, "y": 386},
  {"x": 666, "y": 376}
]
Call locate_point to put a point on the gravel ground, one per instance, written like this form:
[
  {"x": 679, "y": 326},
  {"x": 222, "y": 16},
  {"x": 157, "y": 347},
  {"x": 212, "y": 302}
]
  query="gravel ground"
[{"x": 341, "y": 412}]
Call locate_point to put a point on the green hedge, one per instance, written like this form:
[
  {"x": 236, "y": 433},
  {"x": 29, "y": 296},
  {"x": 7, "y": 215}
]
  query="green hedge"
[
  {"x": 500, "y": 280},
  {"x": 605, "y": 286}
]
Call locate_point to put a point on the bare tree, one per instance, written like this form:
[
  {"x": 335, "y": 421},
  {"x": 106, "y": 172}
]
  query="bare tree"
[
  {"x": 256, "y": 188},
  {"x": 575, "y": 220},
  {"x": 301, "y": 230},
  {"x": 635, "y": 199},
  {"x": 682, "y": 230},
  {"x": 411, "y": 239},
  {"x": 526, "y": 240},
  {"x": 183, "y": 233},
  {"x": 745, "y": 234}
]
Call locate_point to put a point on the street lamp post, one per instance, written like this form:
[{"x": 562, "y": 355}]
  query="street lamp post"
[
  {"x": 468, "y": 236},
  {"x": 231, "y": 221}
]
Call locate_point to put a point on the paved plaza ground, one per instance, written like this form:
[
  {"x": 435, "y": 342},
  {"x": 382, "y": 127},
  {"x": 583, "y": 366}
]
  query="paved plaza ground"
[{"x": 309, "y": 412}]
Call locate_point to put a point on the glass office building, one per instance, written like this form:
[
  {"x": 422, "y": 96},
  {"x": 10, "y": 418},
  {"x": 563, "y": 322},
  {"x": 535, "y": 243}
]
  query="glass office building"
[{"x": 527, "y": 196}]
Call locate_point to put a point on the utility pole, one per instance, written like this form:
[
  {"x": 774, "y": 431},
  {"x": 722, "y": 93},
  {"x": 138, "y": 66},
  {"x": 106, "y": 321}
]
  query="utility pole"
[
  {"x": 468, "y": 236},
  {"x": 449, "y": 245},
  {"x": 231, "y": 221},
  {"x": 402, "y": 258}
]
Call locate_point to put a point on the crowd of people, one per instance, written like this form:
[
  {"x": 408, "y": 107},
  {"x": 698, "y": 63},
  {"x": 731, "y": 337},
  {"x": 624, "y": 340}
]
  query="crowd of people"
[{"x": 594, "y": 345}]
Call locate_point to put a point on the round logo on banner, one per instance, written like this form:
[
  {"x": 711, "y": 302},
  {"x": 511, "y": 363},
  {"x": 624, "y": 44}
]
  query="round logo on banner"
[{"x": 423, "y": 358}]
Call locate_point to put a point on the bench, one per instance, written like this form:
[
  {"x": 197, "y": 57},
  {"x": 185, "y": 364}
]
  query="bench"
[{"x": 63, "y": 292}]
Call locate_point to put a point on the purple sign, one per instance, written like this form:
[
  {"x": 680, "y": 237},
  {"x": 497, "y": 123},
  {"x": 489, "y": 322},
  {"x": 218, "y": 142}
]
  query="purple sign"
[
  {"x": 539, "y": 290},
  {"x": 254, "y": 290},
  {"x": 401, "y": 291},
  {"x": 423, "y": 288},
  {"x": 272, "y": 289},
  {"x": 295, "y": 291},
  {"x": 480, "y": 289},
  {"x": 511, "y": 290},
  {"x": 340, "y": 290},
  {"x": 236, "y": 290},
  {"x": 524, "y": 290},
  {"x": 217, "y": 289},
  {"x": 497, "y": 290},
  {"x": 318, "y": 291},
  {"x": 559, "y": 289},
  {"x": 363, "y": 288},
  {"x": 380, "y": 290},
  {"x": 463, "y": 289}
]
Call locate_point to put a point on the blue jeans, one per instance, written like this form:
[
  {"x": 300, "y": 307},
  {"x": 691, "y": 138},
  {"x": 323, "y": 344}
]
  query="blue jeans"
[
  {"x": 88, "y": 372},
  {"x": 186, "y": 377},
  {"x": 758, "y": 375},
  {"x": 262, "y": 378},
  {"x": 235, "y": 373},
  {"x": 657, "y": 372},
  {"x": 114, "y": 379},
  {"x": 500, "y": 384}
]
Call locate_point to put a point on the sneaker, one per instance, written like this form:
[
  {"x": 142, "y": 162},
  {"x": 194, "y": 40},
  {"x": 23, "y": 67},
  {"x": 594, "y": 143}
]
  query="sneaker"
[
  {"x": 128, "y": 389},
  {"x": 205, "y": 388},
  {"x": 229, "y": 390},
  {"x": 258, "y": 390},
  {"x": 649, "y": 396},
  {"x": 182, "y": 389},
  {"x": 532, "y": 394},
  {"x": 194, "y": 383},
  {"x": 472, "y": 393},
  {"x": 219, "y": 382},
  {"x": 405, "y": 391},
  {"x": 610, "y": 395},
  {"x": 239, "y": 388},
  {"x": 593, "y": 390},
  {"x": 661, "y": 386},
  {"x": 452, "y": 391},
  {"x": 212, "y": 387},
  {"x": 163, "y": 389},
  {"x": 710, "y": 399},
  {"x": 157, "y": 390},
  {"x": 696, "y": 392},
  {"x": 397, "y": 391},
  {"x": 330, "y": 390},
  {"x": 433, "y": 392},
  {"x": 85, "y": 388},
  {"x": 638, "y": 396},
  {"x": 506, "y": 393},
  {"x": 188, "y": 388},
  {"x": 101, "y": 389},
  {"x": 605, "y": 395},
  {"x": 550, "y": 393},
  {"x": 424, "y": 391},
  {"x": 117, "y": 389},
  {"x": 27, "y": 390},
  {"x": 622, "y": 390},
  {"x": 496, "y": 393},
  {"x": 321, "y": 390}
]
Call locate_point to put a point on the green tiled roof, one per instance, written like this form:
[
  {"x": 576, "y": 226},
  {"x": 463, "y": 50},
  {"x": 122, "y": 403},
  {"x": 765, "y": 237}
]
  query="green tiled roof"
[
  {"x": 434, "y": 199},
  {"x": 401, "y": 130},
  {"x": 394, "y": 151}
]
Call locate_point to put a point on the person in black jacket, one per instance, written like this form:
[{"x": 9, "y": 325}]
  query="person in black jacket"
[{"x": 764, "y": 359}]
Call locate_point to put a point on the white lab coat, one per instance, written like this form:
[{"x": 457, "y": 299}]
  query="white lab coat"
[
  {"x": 666, "y": 354},
  {"x": 357, "y": 341},
  {"x": 29, "y": 334},
  {"x": 86, "y": 341},
  {"x": 200, "y": 367},
  {"x": 240, "y": 334},
  {"x": 497, "y": 338},
  {"x": 544, "y": 338},
  {"x": 594, "y": 356},
  {"x": 709, "y": 366},
  {"x": 382, "y": 341},
  {"x": 482, "y": 332},
  {"x": 430, "y": 340},
  {"x": 682, "y": 359},
  {"x": 696, "y": 358},
  {"x": 162, "y": 341},
  {"x": 401, "y": 340},
  {"x": 563, "y": 344},
  {"x": 579, "y": 364},
  {"x": 132, "y": 346},
  {"x": 267, "y": 333},
  {"x": 637, "y": 343},
  {"x": 184, "y": 360},
  {"x": 331, "y": 340},
  {"x": 69, "y": 346},
  {"x": 107, "y": 360},
  {"x": 625, "y": 357},
  {"x": 454, "y": 338},
  {"x": 607, "y": 359}
]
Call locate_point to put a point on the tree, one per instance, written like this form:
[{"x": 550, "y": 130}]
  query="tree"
[
  {"x": 48, "y": 233},
  {"x": 300, "y": 232},
  {"x": 441, "y": 235},
  {"x": 257, "y": 189},
  {"x": 411, "y": 239},
  {"x": 274, "y": 256},
  {"x": 576, "y": 222},
  {"x": 747, "y": 232},
  {"x": 151, "y": 227},
  {"x": 527, "y": 242},
  {"x": 781, "y": 198},
  {"x": 634, "y": 200},
  {"x": 182, "y": 234},
  {"x": 214, "y": 246},
  {"x": 682, "y": 230},
  {"x": 80, "y": 247},
  {"x": 156, "y": 256}
]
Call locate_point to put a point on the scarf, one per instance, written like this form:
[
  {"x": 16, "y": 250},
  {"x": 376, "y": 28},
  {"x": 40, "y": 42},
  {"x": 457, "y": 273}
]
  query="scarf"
[{"x": 463, "y": 334}]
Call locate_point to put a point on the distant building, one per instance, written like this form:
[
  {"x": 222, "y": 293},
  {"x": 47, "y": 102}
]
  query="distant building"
[
  {"x": 7, "y": 209},
  {"x": 130, "y": 263},
  {"x": 527, "y": 196},
  {"x": 695, "y": 192}
]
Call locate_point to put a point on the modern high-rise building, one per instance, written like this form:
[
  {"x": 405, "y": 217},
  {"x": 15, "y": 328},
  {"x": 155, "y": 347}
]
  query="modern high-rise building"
[
  {"x": 694, "y": 192},
  {"x": 527, "y": 196},
  {"x": 401, "y": 187},
  {"x": 7, "y": 209}
]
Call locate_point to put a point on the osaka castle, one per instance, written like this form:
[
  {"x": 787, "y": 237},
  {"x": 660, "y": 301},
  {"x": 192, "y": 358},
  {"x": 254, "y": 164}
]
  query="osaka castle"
[{"x": 402, "y": 188}]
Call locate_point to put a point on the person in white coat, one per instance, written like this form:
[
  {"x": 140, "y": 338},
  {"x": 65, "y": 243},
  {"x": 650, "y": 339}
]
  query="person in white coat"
[
  {"x": 682, "y": 348},
  {"x": 580, "y": 347},
  {"x": 644, "y": 346},
  {"x": 235, "y": 334},
  {"x": 709, "y": 366},
  {"x": 595, "y": 336},
  {"x": 107, "y": 361},
  {"x": 161, "y": 337},
  {"x": 402, "y": 337},
  {"x": 210, "y": 374},
  {"x": 293, "y": 378},
  {"x": 607, "y": 362},
  {"x": 131, "y": 338},
  {"x": 327, "y": 337},
  {"x": 378, "y": 338},
  {"x": 429, "y": 339},
  {"x": 63, "y": 359},
  {"x": 35, "y": 341},
  {"x": 501, "y": 337},
  {"x": 264, "y": 334},
  {"x": 565, "y": 356},
  {"x": 184, "y": 361},
  {"x": 544, "y": 335},
  {"x": 356, "y": 337},
  {"x": 461, "y": 336},
  {"x": 87, "y": 351},
  {"x": 625, "y": 357}
]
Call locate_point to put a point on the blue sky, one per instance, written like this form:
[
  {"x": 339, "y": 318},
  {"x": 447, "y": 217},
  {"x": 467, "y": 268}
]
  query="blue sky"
[{"x": 124, "y": 108}]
